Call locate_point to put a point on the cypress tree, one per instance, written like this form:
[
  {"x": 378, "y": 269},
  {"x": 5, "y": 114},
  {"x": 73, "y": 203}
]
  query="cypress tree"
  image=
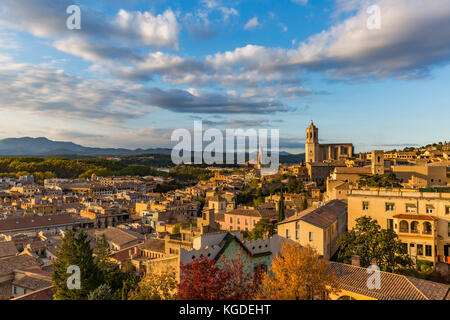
[
  {"x": 281, "y": 215},
  {"x": 75, "y": 251}
]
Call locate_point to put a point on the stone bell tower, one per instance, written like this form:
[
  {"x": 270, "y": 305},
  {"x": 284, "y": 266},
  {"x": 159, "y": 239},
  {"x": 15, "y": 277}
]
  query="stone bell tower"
[
  {"x": 377, "y": 162},
  {"x": 312, "y": 144}
]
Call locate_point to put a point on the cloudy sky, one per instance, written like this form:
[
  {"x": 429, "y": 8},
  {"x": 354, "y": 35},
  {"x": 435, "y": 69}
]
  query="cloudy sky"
[{"x": 136, "y": 70}]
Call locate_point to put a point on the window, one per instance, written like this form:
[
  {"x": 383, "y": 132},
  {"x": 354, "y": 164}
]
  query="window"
[
  {"x": 411, "y": 208},
  {"x": 390, "y": 206},
  {"x": 239, "y": 220},
  {"x": 448, "y": 228},
  {"x": 420, "y": 249},
  {"x": 390, "y": 224},
  {"x": 404, "y": 226},
  {"x": 428, "y": 251},
  {"x": 246, "y": 221},
  {"x": 427, "y": 228},
  {"x": 365, "y": 205},
  {"x": 414, "y": 227},
  {"x": 231, "y": 219},
  {"x": 447, "y": 209},
  {"x": 287, "y": 233},
  {"x": 15, "y": 289},
  {"x": 430, "y": 208},
  {"x": 297, "y": 235},
  {"x": 310, "y": 236}
]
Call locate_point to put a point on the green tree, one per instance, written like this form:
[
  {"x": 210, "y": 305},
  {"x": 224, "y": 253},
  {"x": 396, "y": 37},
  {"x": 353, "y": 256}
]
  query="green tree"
[
  {"x": 387, "y": 180},
  {"x": 102, "y": 254},
  {"x": 75, "y": 251},
  {"x": 369, "y": 241},
  {"x": 103, "y": 292},
  {"x": 263, "y": 228},
  {"x": 156, "y": 286},
  {"x": 281, "y": 214},
  {"x": 305, "y": 204}
]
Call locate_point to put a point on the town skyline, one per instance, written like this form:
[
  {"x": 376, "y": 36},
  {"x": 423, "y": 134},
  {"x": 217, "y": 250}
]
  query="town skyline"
[{"x": 135, "y": 72}]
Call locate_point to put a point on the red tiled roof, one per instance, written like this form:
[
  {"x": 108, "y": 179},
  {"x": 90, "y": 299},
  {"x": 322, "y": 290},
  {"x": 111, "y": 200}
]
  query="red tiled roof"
[
  {"x": 11, "y": 224},
  {"x": 42, "y": 294}
]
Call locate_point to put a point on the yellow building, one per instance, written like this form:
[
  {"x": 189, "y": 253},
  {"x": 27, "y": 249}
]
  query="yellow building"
[
  {"x": 319, "y": 227},
  {"x": 421, "y": 219},
  {"x": 421, "y": 176},
  {"x": 37, "y": 208}
]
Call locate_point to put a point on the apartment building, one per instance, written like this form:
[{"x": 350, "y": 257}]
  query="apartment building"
[
  {"x": 319, "y": 227},
  {"x": 421, "y": 219}
]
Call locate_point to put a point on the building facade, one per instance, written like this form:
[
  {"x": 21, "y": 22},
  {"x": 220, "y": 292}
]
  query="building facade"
[
  {"x": 316, "y": 152},
  {"x": 421, "y": 219}
]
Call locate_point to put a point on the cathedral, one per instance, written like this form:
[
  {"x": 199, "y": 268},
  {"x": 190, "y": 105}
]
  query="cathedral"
[{"x": 316, "y": 152}]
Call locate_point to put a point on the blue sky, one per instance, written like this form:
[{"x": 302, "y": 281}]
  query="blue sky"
[{"x": 137, "y": 70}]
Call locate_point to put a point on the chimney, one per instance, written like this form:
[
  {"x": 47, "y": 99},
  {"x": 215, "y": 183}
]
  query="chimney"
[{"x": 356, "y": 261}]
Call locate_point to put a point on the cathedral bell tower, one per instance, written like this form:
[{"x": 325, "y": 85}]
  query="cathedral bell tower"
[{"x": 312, "y": 144}]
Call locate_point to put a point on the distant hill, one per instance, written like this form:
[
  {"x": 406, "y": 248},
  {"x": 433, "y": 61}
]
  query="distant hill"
[{"x": 44, "y": 147}]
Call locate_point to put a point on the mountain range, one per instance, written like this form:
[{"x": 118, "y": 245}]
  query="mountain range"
[{"x": 42, "y": 146}]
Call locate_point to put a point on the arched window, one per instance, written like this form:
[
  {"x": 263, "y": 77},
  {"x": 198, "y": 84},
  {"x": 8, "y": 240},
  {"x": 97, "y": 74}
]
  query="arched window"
[
  {"x": 404, "y": 226},
  {"x": 427, "y": 228},
  {"x": 414, "y": 227}
]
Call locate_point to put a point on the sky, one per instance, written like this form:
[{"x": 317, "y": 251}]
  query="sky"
[{"x": 137, "y": 70}]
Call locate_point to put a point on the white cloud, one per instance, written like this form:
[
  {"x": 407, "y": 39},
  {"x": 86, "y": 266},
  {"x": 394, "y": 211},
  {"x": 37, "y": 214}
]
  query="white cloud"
[
  {"x": 160, "y": 30},
  {"x": 47, "y": 19},
  {"x": 252, "y": 24}
]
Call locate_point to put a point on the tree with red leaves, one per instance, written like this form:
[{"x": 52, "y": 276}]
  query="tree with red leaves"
[
  {"x": 209, "y": 279},
  {"x": 201, "y": 279}
]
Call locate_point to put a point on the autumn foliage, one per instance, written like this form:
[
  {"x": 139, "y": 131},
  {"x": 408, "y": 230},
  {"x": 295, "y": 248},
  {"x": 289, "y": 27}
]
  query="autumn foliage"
[
  {"x": 205, "y": 279},
  {"x": 297, "y": 273}
]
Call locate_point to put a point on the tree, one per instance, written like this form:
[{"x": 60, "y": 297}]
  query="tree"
[
  {"x": 387, "y": 180},
  {"x": 156, "y": 286},
  {"x": 241, "y": 282},
  {"x": 103, "y": 292},
  {"x": 102, "y": 254},
  {"x": 225, "y": 279},
  {"x": 281, "y": 214},
  {"x": 298, "y": 273},
  {"x": 305, "y": 204},
  {"x": 201, "y": 279},
  {"x": 369, "y": 241},
  {"x": 75, "y": 251},
  {"x": 263, "y": 228}
]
